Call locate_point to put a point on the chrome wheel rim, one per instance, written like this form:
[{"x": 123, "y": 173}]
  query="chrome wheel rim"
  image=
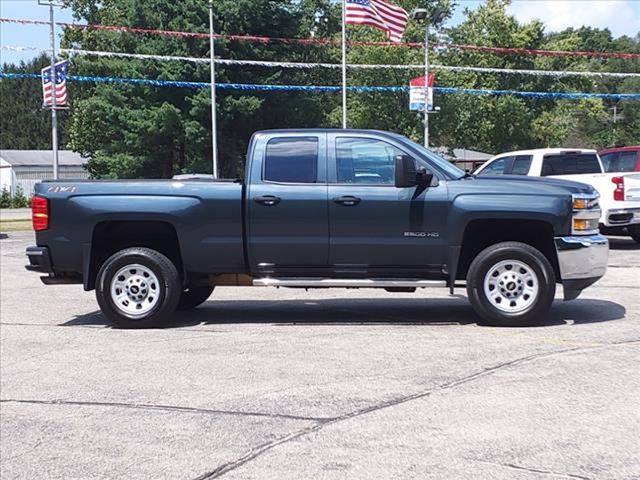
[
  {"x": 511, "y": 286},
  {"x": 135, "y": 290}
]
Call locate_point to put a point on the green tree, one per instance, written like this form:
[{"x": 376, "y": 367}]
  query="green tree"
[{"x": 24, "y": 123}]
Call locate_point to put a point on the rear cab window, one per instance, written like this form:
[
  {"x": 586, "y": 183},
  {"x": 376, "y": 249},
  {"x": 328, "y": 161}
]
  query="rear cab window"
[
  {"x": 291, "y": 160},
  {"x": 570, "y": 164}
]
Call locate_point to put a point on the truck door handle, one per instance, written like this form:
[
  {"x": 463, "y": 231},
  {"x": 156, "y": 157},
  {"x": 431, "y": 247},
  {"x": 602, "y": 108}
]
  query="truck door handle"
[
  {"x": 347, "y": 200},
  {"x": 268, "y": 200}
]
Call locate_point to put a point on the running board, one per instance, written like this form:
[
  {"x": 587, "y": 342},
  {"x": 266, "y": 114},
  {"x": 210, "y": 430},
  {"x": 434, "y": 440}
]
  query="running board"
[{"x": 348, "y": 282}]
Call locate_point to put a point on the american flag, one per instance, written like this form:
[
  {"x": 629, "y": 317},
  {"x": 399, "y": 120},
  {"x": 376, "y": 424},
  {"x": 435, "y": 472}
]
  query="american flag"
[
  {"x": 380, "y": 14},
  {"x": 61, "y": 83}
]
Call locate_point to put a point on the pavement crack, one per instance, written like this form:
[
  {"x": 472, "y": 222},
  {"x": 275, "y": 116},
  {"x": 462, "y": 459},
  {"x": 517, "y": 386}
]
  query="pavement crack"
[
  {"x": 165, "y": 408},
  {"x": 265, "y": 447},
  {"x": 535, "y": 470}
]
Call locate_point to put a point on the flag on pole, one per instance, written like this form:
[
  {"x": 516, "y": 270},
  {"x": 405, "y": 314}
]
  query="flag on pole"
[
  {"x": 61, "y": 83},
  {"x": 417, "y": 91},
  {"x": 380, "y": 14}
]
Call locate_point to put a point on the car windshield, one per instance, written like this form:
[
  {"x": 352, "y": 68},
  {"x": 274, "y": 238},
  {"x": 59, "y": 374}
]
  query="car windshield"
[{"x": 448, "y": 167}]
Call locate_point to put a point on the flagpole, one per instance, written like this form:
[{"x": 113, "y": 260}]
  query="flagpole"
[
  {"x": 344, "y": 66},
  {"x": 54, "y": 111},
  {"x": 214, "y": 127}
]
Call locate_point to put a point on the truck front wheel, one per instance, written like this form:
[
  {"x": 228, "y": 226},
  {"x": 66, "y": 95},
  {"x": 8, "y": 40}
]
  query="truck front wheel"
[
  {"x": 138, "y": 288},
  {"x": 511, "y": 284}
]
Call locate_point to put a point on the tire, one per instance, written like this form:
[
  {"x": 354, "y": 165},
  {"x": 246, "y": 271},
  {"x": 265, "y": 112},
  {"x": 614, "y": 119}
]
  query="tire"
[
  {"x": 194, "y": 296},
  {"x": 634, "y": 231},
  {"x": 138, "y": 288},
  {"x": 523, "y": 281}
]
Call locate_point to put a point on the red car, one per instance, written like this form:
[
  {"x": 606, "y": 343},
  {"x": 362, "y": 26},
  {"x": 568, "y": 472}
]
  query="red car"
[{"x": 621, "y": 159}]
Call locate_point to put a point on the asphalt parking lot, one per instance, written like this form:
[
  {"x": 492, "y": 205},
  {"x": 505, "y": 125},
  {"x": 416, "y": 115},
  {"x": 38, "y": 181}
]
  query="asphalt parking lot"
[{"x": 266, "y": 383}]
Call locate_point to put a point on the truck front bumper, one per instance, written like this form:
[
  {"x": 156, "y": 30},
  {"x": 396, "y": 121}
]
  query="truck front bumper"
[{"x": 582, "y": 261}]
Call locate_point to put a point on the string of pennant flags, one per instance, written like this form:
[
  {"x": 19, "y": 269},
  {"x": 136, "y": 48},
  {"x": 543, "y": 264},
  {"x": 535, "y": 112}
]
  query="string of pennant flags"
[
  {"x": 306, "y": 65},
  {"x": 328, "y": 88},
  {"x": 317, "y": 41},
  {"x": 358, "y": 16}
]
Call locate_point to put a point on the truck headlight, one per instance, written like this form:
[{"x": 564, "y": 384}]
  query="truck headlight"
[{"x": 586, "y": 214}]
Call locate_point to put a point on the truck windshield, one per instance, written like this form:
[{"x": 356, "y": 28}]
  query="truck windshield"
[{"x": 448, "y": 167}]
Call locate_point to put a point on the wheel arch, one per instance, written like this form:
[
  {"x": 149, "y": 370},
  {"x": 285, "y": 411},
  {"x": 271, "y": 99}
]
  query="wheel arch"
[
  {"x": 482, "y": 233},
  {"x": 109, "y": 237}
]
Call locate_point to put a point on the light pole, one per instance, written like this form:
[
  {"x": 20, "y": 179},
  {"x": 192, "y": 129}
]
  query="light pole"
[
  {"x": 214, "y": 126},
  {"x": 421, "y": 14},
  {"x": 54, "y": 107}
]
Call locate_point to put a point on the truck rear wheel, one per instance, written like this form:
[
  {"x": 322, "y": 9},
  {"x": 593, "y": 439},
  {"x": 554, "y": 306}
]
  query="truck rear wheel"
[
  {"x": 194, "y": 296},
  {"x": 634, "y": 231},
  {"x": 138, "y": 288},
  {"x": 511, "y": 284}
]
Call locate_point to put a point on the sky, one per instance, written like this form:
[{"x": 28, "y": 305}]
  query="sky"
[{"x": 622, "y": 17}]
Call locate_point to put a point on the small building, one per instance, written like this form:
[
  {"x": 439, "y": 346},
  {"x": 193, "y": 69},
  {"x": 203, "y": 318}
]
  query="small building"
[
  {"x": 25, "y": 168},
  {"x": 462, "y": 157}
]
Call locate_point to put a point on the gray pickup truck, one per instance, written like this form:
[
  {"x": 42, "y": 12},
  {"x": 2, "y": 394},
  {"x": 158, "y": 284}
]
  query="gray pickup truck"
[{"x": 322, "y": 208}]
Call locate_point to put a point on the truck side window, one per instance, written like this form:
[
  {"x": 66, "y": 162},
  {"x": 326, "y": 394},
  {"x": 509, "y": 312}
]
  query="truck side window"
[
  {"x": 521, "y": 165},
  {"x": 497, "y": 167},
  {"x": 608, "y": 161},
  {"x": 291, "y": 160},
  {"x": 365, "y": 161}
]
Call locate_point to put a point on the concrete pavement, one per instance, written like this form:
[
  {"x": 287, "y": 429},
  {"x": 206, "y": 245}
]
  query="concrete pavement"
[{"x": 267, "y": 383}]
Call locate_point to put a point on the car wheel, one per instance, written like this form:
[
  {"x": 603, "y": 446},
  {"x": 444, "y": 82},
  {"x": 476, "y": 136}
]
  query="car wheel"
[
  {"x": 511, "y": 284},
  {"x": 194, "y": 296},
  {"x": 634, "y": 231},
  {"x": 138, "y": 288}
]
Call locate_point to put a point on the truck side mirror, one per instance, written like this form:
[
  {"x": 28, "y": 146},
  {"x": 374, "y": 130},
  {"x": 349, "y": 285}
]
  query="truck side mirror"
[{"x": 408, "y": 175}]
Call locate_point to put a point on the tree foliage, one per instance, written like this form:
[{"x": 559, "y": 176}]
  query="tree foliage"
[
  {"x": 144, "y": 131},
  {"x": 24, "y": 124}
]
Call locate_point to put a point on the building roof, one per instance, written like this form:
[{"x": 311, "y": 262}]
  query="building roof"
[
  {"x": 38, "y": 158},
  {"x": 461, "y": 154}
]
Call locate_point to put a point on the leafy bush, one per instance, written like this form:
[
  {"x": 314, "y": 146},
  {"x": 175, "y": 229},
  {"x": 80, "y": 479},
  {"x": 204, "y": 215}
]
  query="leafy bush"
[
  {"x": 18, "y": 200},
  {"x": 5, "y": 199}
]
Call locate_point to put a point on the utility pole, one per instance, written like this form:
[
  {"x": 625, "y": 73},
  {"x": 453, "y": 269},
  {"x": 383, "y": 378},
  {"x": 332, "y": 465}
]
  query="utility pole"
[
  {"x": 214, "y": 127},
  {"x": 54, "y": 110},
  {"x": 426, "y": 85}
]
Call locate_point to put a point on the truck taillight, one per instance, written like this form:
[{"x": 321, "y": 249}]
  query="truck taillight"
[
  {"x": 618, "y": 193},
  {"x": 40, "y": 213}
]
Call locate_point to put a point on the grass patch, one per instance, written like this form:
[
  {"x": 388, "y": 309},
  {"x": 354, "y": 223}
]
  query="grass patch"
[{"x": 15, "y": 225}]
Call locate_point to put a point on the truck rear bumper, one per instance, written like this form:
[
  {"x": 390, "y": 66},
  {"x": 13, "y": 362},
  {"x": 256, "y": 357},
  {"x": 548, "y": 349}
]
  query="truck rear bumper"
[
  {"x": 39, "y": 260},
  {"x": 582, "y": 261}
]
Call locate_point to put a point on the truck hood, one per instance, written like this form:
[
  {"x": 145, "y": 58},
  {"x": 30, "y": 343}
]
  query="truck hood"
[{"x": 527, "y": 185}]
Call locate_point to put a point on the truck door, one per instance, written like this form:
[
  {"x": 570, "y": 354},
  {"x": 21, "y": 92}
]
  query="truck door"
[
  {"x": 376, "y": 228},
  {"x": 287, "y": 222}
]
